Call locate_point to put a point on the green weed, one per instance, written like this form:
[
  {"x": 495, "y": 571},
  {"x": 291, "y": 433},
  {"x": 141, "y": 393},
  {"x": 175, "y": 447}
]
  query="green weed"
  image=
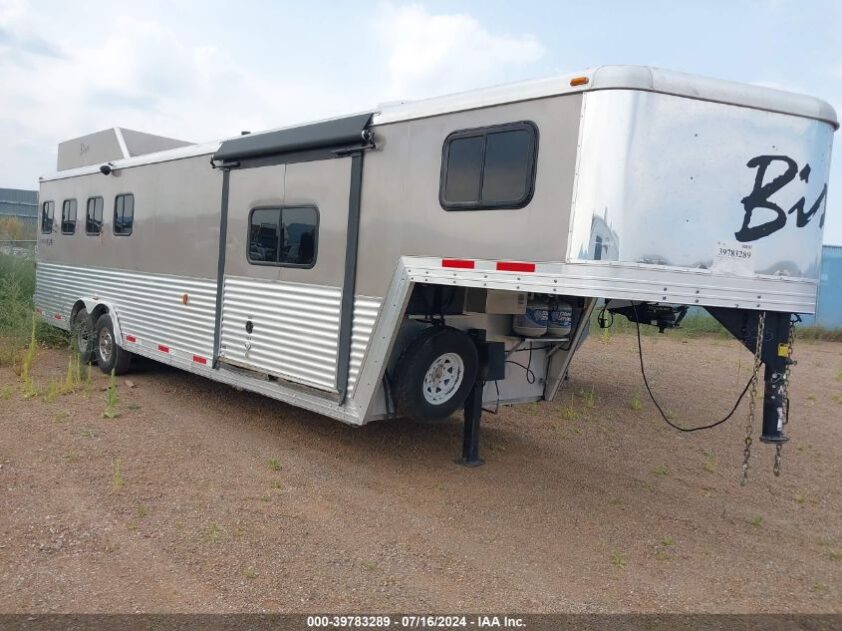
[
  {"x": 710, "y": 462},
  {"x": 569, "y": 412},
  {"x": 667, "y": 541},
  {"x": 589, "y": 397},
  {"x": 757, "y": 521},
  {"x": 660, "y": 471},
  {"x": 111, "y": 399},
  {"x": 636, "y": 404},
  {"x": 618, "y": 559},
  {"x": 274, "y": 464},
  {"x": 117, "y": 481},
  {"x": 214, "y": 532},
  {"x": 250, "y": 573},
  {"x": 819, "y": 587}
]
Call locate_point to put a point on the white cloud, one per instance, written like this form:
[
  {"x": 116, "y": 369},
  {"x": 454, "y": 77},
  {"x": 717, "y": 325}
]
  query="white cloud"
[
  {"x": 75, "y": 69},
  {"x": 437, "y": 53}
]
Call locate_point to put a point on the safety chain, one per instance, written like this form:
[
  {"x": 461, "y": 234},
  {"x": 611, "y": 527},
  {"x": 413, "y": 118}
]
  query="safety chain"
[
  {"x": 779, "y": 447},
  {"x": 752, "y": 402}
]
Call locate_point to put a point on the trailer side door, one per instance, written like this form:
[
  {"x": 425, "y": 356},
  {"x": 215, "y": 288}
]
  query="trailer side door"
[{"x": 284, "y": 270}]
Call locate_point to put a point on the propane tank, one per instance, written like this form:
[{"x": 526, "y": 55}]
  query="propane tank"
[
  {"x": 532, "y": 323},
  {"x": 560, "y": 319}
]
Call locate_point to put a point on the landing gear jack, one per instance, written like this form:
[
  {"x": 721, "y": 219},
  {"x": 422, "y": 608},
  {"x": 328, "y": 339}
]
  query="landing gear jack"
[
  {"x": 492, "y": 366},
  {"x": 470, "y": 433},
  {"x": 775, "y": 354}
]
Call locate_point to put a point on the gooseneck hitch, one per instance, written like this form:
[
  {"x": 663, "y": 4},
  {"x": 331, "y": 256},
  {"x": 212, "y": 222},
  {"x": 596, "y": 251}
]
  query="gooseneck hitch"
[{"x": 776, "y": 355}]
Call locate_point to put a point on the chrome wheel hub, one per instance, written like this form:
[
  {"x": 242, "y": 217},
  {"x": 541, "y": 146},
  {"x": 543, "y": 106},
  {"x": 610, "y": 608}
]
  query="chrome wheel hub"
[{"x": 106, "y": 345}]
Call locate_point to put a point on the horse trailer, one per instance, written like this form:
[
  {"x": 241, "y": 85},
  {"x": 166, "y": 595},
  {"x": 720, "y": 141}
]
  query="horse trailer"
[{"x": 443, "y": 253}]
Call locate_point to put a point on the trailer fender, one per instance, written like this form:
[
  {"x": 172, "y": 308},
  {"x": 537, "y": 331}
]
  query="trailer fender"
[{"x": 97, "y": 307}]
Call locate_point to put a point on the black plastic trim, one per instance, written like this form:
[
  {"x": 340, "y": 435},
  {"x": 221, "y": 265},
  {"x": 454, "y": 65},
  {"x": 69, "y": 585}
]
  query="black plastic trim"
[
  {"x": 339, "y": 131},
  {"x": 349, "y": 284}
]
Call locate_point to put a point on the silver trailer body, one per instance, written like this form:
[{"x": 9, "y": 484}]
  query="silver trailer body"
[{"x": 646, "y": 185}]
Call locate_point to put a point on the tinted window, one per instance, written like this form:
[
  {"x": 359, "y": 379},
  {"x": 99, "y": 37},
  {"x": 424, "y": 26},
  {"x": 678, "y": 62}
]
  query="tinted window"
[
  {"x": 464, "y": 169},
  {"x": 492, "y": 167},
  {"x": 123, "y": 214},
  {"x": 47, "y": 214},
  {"x": 68, "y": 216},
  {"x": 93, "y": 217},
  {"x": 284, "y": 236}
]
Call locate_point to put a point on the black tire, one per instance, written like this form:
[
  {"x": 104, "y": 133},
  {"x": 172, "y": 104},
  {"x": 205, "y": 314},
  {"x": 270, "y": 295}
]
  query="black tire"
[
  {"x": 436, "y": 349},
  {"x": 109, "y": 356},
  {"x": 82, "y": 330}
]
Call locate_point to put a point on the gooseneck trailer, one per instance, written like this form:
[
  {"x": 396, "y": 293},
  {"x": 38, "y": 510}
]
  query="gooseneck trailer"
[{"x": 443, "y": 253}]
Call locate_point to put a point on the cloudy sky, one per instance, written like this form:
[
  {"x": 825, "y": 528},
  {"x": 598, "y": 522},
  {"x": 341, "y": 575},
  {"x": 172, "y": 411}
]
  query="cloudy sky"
[{"x": 205, "y": 70}]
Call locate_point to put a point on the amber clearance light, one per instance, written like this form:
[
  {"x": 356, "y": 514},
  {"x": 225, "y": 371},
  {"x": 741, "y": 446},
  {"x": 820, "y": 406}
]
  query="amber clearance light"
[{"x": 578, "y": 81}]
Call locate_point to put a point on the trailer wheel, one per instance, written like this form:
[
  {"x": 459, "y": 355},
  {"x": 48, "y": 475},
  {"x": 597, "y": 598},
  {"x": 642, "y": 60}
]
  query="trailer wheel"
[
  {"x": 435, "y": 374},
  {"x": 109, "y": 356},
  {"x": 83, "y": 335}
]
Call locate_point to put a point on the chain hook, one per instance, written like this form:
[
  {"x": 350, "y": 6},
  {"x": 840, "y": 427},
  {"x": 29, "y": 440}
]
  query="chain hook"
[{"x": 752, "y": 404}]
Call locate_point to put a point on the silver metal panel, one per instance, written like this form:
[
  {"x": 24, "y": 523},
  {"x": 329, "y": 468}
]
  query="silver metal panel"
[
  {"x": 401, "y": 214},
  {"x": 295, "y": 329},
  {"x": 641, "y": 282},
  {"x": 665, "y": 180},
  {"x": 149, "y": 307}
]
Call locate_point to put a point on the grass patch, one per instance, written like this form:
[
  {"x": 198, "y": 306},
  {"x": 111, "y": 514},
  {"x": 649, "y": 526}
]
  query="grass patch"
[
  {"x": 667, "y": 541},
  {"x": 636, "y": 404},
  {"x": 214, "y": 532},
  {"x": 250, "y": 573},
  {"x": 17, "y": 287},
  {"x": 619, "y": 559},
  {"x": 661, "y": 471},
  {"x": 274, "y": 464},
  {"x": 569, "y": 412},
  {"x": 757, "y": 521}
]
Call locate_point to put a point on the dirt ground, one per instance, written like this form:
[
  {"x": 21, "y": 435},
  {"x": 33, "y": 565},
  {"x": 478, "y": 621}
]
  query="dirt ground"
[{"x": 201, "y": 498}]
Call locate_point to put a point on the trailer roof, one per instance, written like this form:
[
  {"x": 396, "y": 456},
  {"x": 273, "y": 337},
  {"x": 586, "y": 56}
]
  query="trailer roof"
[
  {"x": 619, "y": 78},
  {"x": 601, "y": 78}
]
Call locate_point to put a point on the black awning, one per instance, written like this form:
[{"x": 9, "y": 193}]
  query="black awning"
[{"x": 339, "y": 132}]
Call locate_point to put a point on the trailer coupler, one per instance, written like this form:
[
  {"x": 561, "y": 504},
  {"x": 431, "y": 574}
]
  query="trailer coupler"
[{"x": 775, "y": 353}]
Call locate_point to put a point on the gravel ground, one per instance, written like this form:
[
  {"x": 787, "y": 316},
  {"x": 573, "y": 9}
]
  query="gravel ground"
[{"x": 201, "y": 498}]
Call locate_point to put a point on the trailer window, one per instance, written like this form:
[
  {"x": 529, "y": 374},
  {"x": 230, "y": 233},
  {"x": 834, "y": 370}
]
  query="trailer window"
[
  {"x": 47, "y": 214},
  {"x": 68, "y": 216},
  {"x": 123, "y": 214},
  {"x": 490, "y": 167},
  {"x": 285, "y": 236},
  {"x": 93, "y": 218}
]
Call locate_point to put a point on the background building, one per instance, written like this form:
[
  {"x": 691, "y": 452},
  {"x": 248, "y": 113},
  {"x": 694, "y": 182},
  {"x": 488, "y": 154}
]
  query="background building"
[
  {"x": 829, "y": 308},
  {"x": 20, "y": 204}
]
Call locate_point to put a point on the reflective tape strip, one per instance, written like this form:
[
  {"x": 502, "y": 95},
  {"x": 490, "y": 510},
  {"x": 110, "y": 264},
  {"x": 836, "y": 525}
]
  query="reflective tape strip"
[
  {"x": 131, "y": 338},
  {"x": 458, "y": 263},
  {"x": 515, "y": 266},
  {"x": 199, "y": 360},
  {"x": 163, "y": 349}
]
